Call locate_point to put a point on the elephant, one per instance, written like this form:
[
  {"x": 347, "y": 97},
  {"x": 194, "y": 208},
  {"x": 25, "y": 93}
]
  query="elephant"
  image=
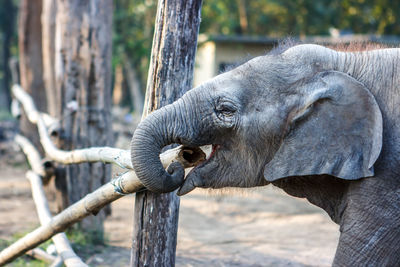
[{"x": 320, "y": 123}]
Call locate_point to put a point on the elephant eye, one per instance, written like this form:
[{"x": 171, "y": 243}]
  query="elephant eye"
[{"x": 225, "y": 111}]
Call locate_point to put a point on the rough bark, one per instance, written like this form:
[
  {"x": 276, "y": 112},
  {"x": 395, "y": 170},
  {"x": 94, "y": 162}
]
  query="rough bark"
[
  {"x": 170, "y": 76},
  {"x": 55, "y": 188},
  {"x": 30, "y": 58},
  {"x": 83, "y": 78}
]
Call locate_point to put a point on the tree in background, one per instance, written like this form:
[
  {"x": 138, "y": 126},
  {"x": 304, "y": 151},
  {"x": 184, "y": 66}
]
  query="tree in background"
[
  {"x": 8, "y": 12},
  {"x": 30, "y": 62},
  {"x": 301, "y": 17},
  {"x": 134, "y": 22},
  {"x": 133, "y": 27},
  {"x": 83, "y": 81},
  {"x": 69, "y": 46}
]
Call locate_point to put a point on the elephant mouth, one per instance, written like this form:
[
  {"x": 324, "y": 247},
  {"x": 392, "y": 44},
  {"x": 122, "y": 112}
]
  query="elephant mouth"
[
  {"x": 214, "y": 149},
  {"x": 193, "y": 180}
]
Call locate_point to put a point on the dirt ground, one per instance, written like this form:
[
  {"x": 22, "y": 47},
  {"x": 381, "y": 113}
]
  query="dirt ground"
[{"x": 262, "y": 227}]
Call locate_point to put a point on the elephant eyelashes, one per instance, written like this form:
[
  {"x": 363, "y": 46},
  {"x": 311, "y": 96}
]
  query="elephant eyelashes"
[
  {"x": 225, "y": 112},
  {"x": 226, "y": 109}
]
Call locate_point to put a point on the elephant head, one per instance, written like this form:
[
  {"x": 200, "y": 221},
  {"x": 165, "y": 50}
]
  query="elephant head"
[{"x": 276, "y": 116}]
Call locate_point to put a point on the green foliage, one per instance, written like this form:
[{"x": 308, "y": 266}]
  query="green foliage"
[
  {"x": 134, "y": 21},
  {"x": 133, "y": 24},
  {"x": 87, "y": 243},
  {"x": 24, "y": 261},
  {"x": 302, "y": 17},
  {"x": 5, "y": 115}
]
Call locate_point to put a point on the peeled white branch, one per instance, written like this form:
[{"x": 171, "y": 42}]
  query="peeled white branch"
[
  {"x": 30, "y": 109},
  {"x": 125, "y": 184},
  {"x": 60, "y": 240},
  {"x": 94, "y": 154},
  {"x": 103, "y": 154},
  {"x": 40, "y": 254},
  {"x": 31, "y": 153},
  {"x": 57, "y": 263}
]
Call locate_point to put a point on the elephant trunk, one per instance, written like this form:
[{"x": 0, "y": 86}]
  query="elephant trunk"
[{"x": 158, "y": 130}]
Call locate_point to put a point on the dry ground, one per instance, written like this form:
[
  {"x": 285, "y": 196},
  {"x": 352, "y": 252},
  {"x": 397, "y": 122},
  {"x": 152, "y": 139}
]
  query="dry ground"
[{"x": 262, "y": 227}]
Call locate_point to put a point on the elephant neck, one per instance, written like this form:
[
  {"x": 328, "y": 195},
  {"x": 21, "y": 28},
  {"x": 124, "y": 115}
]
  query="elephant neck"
[
  {"x": 377, "y": 69},
  {"x": 324, "y": 191}
]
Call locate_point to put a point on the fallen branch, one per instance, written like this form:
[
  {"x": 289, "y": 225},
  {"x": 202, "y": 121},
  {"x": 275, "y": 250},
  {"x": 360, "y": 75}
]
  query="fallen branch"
[
  {"x": 125, "y": 184},
  {"x": 116, "y": 156},
  {"x": 42, "y": 255},
  {"x": 60, "y": 240},
  {"x": 31, "y": 153},
  {"x": 57, "y": 263},
  {"x": 30, "y": 109}
]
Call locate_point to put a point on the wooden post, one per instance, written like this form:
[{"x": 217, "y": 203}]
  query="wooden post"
[
  {"x": 83, "y": 78},
  {"x": 170, "y": 76}
]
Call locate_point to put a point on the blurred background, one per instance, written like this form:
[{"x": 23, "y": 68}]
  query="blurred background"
[
  {"x": 260, "y": 227},
  {"x": 229, "y": 30}
]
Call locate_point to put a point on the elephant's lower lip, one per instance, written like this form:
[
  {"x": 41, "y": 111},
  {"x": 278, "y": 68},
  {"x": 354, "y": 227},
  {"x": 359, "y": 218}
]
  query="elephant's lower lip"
[{"x": 214, "y": 149}]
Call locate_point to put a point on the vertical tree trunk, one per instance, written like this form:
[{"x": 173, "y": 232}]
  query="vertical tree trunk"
[
  {"x": 48, "y": 44},
  {"x": 83, "y": 77},
  {"x": 8, "y": 30},
  {"x": 170, "y": 75},
  {"x": 30, "y": 56},
  {"x": 56, "y": 189},
  {"x": 134, "y": 88},
  {"x": 118, "y": 90},
  {"x": 244, "y": 25}
]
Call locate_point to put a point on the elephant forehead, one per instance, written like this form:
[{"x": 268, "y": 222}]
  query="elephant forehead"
[{"x": 225, "y": 83}]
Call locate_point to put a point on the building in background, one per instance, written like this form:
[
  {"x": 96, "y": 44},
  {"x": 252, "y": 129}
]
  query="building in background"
[{"x": 219, "y": 52}]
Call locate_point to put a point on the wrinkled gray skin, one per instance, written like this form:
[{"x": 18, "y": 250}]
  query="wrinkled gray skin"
[{"x": 320, "y": 124}]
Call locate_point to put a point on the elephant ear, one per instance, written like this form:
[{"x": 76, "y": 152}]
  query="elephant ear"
[{"x": 336, "y": 130}]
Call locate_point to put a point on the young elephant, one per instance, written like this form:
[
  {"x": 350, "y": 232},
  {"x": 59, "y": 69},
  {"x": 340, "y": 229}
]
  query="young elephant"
[{"x": 318, "y": 123}]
